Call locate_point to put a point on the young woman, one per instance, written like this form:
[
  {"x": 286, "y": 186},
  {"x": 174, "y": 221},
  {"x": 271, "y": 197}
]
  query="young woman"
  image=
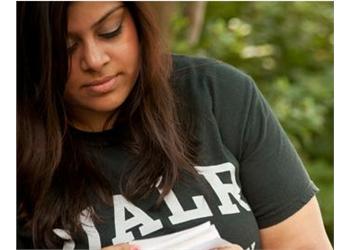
[{"x": 119, "y": 140}]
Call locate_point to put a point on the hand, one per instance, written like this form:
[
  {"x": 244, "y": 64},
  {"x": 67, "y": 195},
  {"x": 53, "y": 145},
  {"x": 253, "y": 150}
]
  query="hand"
[
  {"x": 229, "y": 247},
  {"x": 123, "y": 246},
  {"x": 131, "y": 247}
]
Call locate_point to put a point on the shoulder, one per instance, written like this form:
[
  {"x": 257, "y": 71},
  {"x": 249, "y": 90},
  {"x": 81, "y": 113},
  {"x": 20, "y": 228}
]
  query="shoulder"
[
  {"x": 212, "y": 80},
  {"x": 206, "y": 67},
  {"x": 211, "y": 74}
]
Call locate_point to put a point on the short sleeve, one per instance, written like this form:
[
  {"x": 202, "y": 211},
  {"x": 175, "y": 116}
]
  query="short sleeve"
[{"x": 273, "y": 177}]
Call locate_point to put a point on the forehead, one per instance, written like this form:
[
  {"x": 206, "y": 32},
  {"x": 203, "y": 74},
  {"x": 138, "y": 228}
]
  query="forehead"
[{"x": 85, "y": 14}]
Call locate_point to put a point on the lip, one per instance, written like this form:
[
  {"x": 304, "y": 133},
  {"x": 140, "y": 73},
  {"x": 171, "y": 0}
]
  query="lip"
[
  {"x": 99, "y": 81},
  {"x": 102, "y": 85}
]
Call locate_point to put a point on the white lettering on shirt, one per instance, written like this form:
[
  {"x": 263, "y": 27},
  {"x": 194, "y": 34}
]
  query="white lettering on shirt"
[
  {"x": 179, "y": 215},
  {"x": 68, "y": 241},
  {"x": 223, "y": 190},
  {"x": 252, "y": 246},
  {"x": 90, "y": 230},
  {"x": 148, "y": 225}
]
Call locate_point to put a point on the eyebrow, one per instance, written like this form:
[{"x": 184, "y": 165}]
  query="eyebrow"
[{"x": 106, "y": 15}]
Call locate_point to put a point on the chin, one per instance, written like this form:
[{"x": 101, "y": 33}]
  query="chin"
[{"x": 106, "y": 107}]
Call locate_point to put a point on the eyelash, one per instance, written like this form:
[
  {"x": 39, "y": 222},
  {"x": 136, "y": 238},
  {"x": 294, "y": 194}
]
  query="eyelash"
[
  {"x": 112, "y": 34},
  {"x": 108, "y": 35}
]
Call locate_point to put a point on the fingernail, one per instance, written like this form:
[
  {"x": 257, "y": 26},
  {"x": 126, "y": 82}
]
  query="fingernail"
[{"x": 133, "y": 247}]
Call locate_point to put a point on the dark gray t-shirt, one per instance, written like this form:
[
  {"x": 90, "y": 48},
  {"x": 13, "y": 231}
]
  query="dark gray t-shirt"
[{"x": 251, "y": 175}]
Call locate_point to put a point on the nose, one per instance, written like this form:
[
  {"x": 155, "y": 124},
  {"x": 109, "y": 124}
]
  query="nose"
[{"x": 94, "y": 57}]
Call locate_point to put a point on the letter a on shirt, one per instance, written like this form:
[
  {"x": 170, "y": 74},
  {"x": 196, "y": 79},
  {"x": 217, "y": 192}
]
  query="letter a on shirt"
[{"x": 148, "y": 225}]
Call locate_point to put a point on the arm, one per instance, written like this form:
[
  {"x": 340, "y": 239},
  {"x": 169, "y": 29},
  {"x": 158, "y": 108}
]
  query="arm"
[{"x": 302, "y": 230}]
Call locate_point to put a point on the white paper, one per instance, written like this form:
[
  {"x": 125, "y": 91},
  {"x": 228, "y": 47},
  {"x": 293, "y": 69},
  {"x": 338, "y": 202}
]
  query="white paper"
[{"x": 202, "y": 237}]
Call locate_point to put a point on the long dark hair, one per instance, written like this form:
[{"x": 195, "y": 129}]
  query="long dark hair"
[{"x": 47, "y": 154}]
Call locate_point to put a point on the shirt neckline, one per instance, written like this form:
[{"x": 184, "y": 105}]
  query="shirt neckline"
[{"x": 112, "y": 136}]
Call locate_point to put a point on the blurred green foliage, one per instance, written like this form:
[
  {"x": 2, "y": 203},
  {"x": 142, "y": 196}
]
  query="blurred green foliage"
[{"x": 287, "y": 47}]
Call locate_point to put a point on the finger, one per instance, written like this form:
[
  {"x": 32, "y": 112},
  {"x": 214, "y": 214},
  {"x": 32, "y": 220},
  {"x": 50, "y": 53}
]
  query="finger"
[
  {"x": 229, "y": 247},
  {"x": 123, "y": 246}
]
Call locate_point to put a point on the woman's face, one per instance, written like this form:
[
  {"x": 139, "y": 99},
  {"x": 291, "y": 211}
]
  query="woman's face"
[{"x": 105, "y": 58}]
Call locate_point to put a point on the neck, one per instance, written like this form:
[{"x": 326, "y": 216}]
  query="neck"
[{"x": 93, "y": 121}]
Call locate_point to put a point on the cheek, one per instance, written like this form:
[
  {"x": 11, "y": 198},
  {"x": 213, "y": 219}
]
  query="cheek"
[
  {"x": 128, "y": 50},
  {"x": 72, "y": 87},
  {"x": 69, "y": 93},
  {"x": 74, "y": 73},
  {"x": 130, "y": 57}
]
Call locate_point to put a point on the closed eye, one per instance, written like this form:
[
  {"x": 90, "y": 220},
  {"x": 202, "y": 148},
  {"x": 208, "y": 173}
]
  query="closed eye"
[
  {"x": 71, "y": 46},
  {"x": 111, "y": 34}
]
